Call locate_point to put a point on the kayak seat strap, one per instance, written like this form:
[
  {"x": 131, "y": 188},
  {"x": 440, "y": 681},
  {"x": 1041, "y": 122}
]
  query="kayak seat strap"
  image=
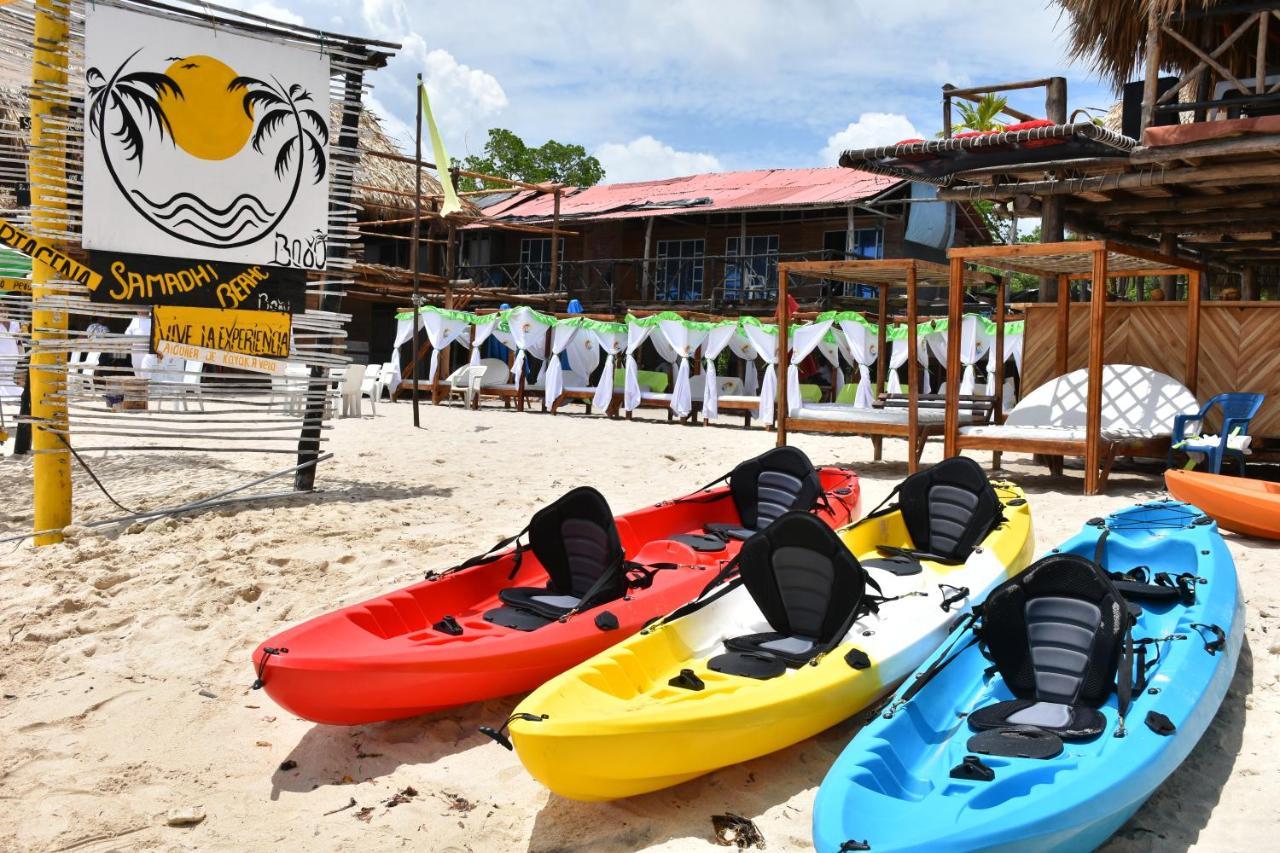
[
  {"x": 1055, "y": 634},
  {"x": 809, "y": 588},
  {"x": 777, "y": 481}
]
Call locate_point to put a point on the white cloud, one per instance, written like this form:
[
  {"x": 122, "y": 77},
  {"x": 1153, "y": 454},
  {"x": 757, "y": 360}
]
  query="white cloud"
[
  {"x": 869, "y": 130},
  {"x": 274, "y": 12},
  {"x": 647, "y": 159}
]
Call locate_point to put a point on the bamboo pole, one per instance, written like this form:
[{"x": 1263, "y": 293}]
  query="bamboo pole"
[
  {"x": 1093, "y": 403},
  {"x": 1151, "y": 81},
  {"x": 882, "y": 359},
  {"x": 1000, "y": 310},
  {"x": 51, "y": 468}
]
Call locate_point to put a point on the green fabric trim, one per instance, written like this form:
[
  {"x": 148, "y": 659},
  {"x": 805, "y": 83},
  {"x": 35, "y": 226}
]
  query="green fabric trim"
[
  {"x": 652, "y": 381},
  {"x": 653, "y": 320},
  {"x": 594, "y": 325}
]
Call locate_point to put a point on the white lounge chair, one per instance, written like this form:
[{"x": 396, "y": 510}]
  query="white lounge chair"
[
  {"x": 1138, "y": 407},
  {"x": 470, "y": 380}
]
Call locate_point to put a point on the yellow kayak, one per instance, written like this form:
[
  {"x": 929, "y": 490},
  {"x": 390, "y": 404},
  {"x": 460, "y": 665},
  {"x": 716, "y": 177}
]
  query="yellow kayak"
[{"x": 707, "y": 689}]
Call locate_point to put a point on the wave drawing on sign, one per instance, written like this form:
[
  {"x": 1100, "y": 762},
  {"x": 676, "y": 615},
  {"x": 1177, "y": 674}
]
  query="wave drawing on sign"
[{"x": 207, "y": 110}]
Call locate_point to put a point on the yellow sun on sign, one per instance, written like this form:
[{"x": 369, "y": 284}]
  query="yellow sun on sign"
[{"x": 208, "y": 121}]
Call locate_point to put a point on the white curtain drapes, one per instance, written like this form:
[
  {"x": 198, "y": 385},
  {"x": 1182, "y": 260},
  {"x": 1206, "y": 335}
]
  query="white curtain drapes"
[
  {"x": 483, "y": 331},
  {"x": 684, "y": 341},
  {"x": 561, "y": 335},
  {"x": 974, "y": 342},
  {"x": 742, "y": 347},
  {"x": 636, "y": 336},
  {"x": 804, "y": 341},
  {"x": 1012, "y": 350},
  {"x": 898, "y": 352},
  {"x": 862, "y": 346},
  {"x": 529, "y": 336},
  {"x": 830, "y": 347},
  {"x": 717, "y": 339},
  {"x": 583, "y": 353},
  {"x": 612, "y": 344},
  {"x": 442, "y": 330},
  {"x": 765, "y": 343}
]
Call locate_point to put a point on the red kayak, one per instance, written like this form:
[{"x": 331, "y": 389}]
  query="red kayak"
[{"x": 505, "y": 623}]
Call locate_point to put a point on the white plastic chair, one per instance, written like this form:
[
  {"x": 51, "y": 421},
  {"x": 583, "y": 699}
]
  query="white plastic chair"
[
  {"x": 292, "y": 386},
  {"x": 369, "y": 385},
  {"x": 466, "y": 380},
  {"x": 350, "y": 390},
  {"x": 191, "y": 386},
  {"x": 385, "y": 377},
  {"x": 730, "y": 386}
]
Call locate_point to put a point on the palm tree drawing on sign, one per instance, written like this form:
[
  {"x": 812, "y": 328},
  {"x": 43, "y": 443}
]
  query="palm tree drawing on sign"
[{"x": 203, "y": 107}]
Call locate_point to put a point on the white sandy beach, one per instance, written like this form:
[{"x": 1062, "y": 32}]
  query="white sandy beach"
[{"x": 125, "y": 674}]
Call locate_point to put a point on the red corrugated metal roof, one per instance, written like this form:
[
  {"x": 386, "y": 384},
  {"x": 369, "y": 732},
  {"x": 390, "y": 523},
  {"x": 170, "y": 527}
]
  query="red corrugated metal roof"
[{"x": 718, "y": 191}]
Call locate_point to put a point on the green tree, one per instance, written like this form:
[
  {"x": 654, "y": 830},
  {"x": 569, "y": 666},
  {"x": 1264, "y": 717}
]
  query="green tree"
[
  {"x": 982, "y": 116},
  {"x": 507, "y": 156}
]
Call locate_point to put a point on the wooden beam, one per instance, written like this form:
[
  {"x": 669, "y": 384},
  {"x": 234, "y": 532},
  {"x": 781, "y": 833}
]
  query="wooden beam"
[
  {"x": 784, "y": 321},
  {"x": 1254, "y": 143},
  {"x": 1192, "y": 374},
  {"x": 913, "y": 373},
  {"x": 1240, "y": 172},
  {"x": 955, "y": 312},
  {"x": 1183, "y": 203},
  {"x": 1064, "y": 309},
  {"x": 1093, "y": 404}
]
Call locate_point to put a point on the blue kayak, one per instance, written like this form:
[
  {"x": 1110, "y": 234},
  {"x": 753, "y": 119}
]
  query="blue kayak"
[{"x": 1045, "y": 722}]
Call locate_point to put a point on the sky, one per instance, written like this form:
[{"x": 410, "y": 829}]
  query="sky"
[{"x": 661, "y": 88}]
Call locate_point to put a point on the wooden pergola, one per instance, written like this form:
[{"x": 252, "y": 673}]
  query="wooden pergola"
[
  {"x": 1095, "y": 261},
  {"x": 882, "y": 274}
]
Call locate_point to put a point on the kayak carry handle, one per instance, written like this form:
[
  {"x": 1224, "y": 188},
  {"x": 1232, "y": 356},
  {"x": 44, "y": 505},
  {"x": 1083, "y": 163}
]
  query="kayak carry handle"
[
  {"x": 267, "y": 652},
  {"x": 500, "y": 738}
]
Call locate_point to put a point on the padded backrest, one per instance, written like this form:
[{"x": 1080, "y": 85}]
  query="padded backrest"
[
  {"x": 774, "y": 482},
  {"x": 1055, "y": 631},
  {"x": 950, "y": 508},
  {"x": 576, "y": 541},
  {"x": 1133, "y": 397},
  {"x": 802, "y": 577}
]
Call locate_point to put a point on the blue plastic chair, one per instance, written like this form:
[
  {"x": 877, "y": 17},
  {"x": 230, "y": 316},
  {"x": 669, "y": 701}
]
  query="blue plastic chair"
[{"x": 1237, "y": 410}]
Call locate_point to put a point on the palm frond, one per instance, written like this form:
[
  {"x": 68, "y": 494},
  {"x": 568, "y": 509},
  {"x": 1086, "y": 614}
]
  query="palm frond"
[
  {"x": 322, "y": 129},
  {"x": 129, "y": 133},
  {"x": 245, "y": 83},
  {"x": 318, "y": 161},
  {"x": 284, "y": 156},
  {"x": 156, "y": 82},
  {"x": 294, "y": 90},
  {"x": 267, "y": 126},
  {"x": 148, "y": 106},
  {"x": 260, "y": 96}
]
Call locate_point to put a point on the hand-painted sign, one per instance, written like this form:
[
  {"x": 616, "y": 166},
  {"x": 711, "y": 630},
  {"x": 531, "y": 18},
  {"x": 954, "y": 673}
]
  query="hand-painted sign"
[
  {"x": 151, "y": 280},
  {"x": 201, "y": 143},
  {"x": 63, "y": 266},
  {"x": 227, "y": 333},
  {"x": 15, "y": 285}
]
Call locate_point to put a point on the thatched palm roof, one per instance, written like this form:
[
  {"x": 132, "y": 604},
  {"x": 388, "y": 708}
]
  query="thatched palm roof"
[{"x": 1111, "y": 36}]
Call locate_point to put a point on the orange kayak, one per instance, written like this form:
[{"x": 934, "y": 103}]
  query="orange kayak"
[{"x": 1251, "y": 507}]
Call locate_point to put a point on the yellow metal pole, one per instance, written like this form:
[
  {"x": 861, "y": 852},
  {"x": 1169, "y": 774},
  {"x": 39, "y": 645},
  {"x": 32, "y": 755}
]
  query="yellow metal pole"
[{"x": 52, "y": 463}]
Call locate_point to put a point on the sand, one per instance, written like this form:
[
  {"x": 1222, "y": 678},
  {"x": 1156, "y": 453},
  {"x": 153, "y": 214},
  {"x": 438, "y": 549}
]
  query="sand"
[{"x": 124, "y": 654}]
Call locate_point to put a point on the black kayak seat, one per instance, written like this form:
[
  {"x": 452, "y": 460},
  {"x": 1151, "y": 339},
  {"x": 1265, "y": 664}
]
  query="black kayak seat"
[
  {"x": 763, "y": 488},
  {"x": 576, "y": 540},
  {"x": 949, "y": 509},
  {"x": 1055, "y": 634},
  {"x": 807, "y": 585}
]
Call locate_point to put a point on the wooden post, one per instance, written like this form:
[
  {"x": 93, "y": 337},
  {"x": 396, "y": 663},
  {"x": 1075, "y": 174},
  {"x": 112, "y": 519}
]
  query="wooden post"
[
  {"x": 1192, "y": 375},
  {"x": 882, "y": 360},
  {"x": 1249, "y": 282},
  {"x": 946, "y": 111},
  {"x": 1000, "y": 310},
  {"x": 784, "y": 322},
  {"x": 1150, "y": 85},
  {"x": 46, "y": 377},
  {"x": 318, "y": 384},
  {"x": 644, "y": 268},
  {"x": 555, "y": 248},
  {"x": 1052, "y": 225},
  {"x": 955, "y": 321},
  {"x": 1064, "y": 324},
  {"x": 913, "y": 374},
  {"x": 413, "y": 247},
  {"x": 1093, "y": 403},
  {"x": 1169, "y": 283}
]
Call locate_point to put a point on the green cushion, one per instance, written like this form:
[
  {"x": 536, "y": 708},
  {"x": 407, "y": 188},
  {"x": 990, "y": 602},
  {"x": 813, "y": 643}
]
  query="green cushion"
[
  {"x": 650, "y": 380},
  {"x": 810, "y": 393},
  {"x": 848, "y": 393}
]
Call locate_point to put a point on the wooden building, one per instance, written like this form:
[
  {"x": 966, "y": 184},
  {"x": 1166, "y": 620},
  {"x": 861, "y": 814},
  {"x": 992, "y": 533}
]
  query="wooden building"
[{"x": 711, "y": 241}]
